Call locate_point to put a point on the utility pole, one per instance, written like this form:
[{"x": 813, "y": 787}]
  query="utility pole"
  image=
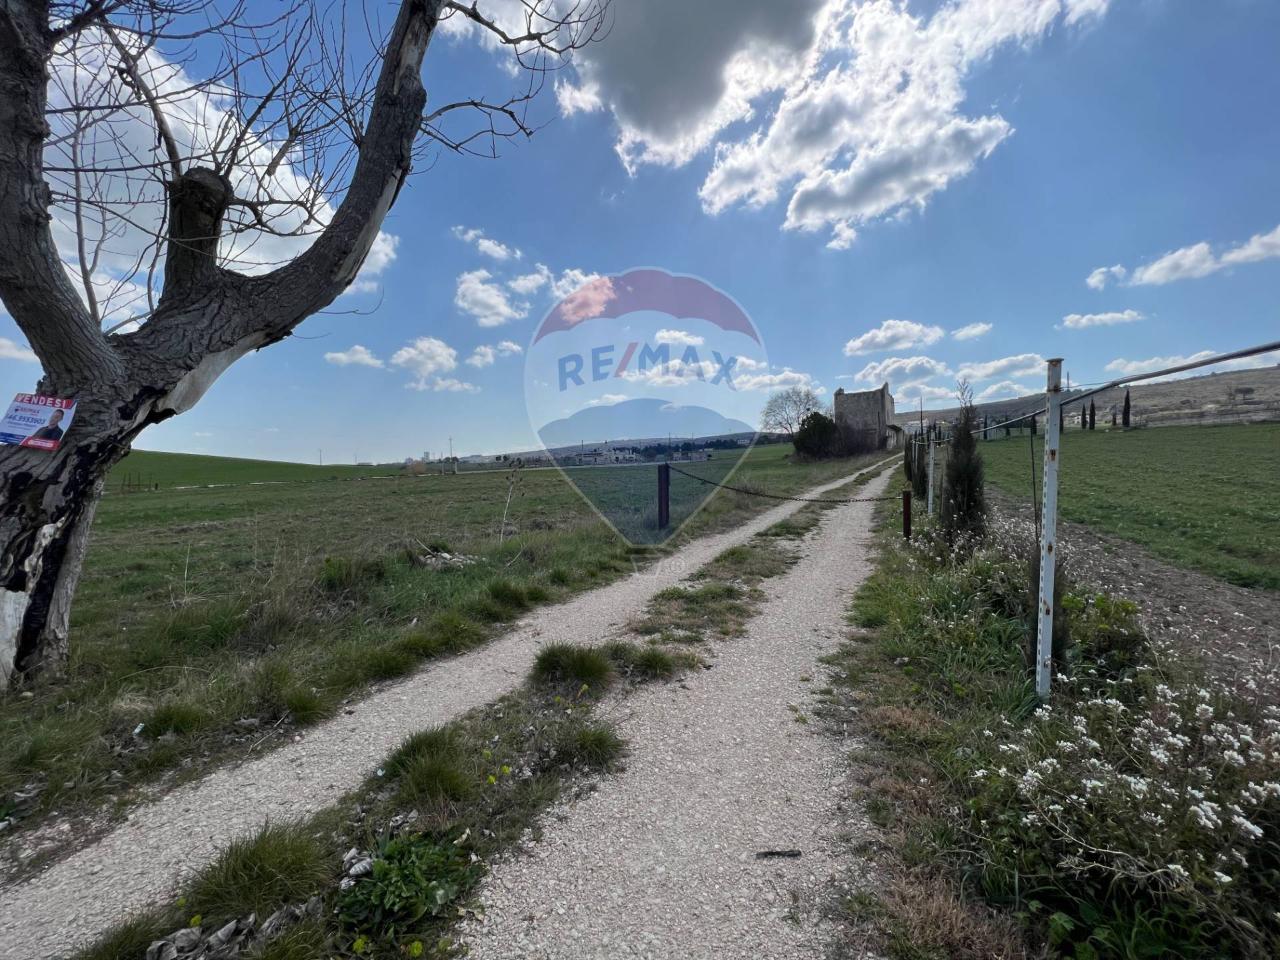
[{"x": 321, "y": 452}]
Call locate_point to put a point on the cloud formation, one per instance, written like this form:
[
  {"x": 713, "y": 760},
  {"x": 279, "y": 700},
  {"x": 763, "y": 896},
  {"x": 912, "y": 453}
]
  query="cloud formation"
[
  {"x": 902, "y": 370},
  {"x": 356, "y": 356},
  {"x": 1079, "y": 321},
  {"x": 1190, "y": 262},
  {"x": 971, "y": 332},
  {"x": 486, "y": 245},
  {"x": 1020, "y": 365},
  {"x": 893, "y": 335},
  {"x": 486, "y": 301},
  {"x": 850, "y": 111},
  {"x": 10, "y": 350},
  {"x": 427, "y": 358}
]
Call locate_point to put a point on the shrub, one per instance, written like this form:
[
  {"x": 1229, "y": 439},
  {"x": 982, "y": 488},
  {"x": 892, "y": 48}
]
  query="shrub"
[
  {"x": 414, "y": 879},
  {"x": 963, "y": 493},
  {"x": 818, "y": 437}
]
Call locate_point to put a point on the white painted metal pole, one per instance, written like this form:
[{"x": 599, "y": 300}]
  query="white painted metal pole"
[
  {"x": 1048, "y": 532},
  {"x": 931, "y": 476}
]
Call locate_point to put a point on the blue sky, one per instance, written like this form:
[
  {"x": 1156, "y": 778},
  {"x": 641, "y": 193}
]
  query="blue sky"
[{"x": 1011, "y": 158}]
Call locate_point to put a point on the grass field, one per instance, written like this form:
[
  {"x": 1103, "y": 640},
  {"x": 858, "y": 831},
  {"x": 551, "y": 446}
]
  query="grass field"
[
  {"x": 1206, "y": 498},
  {"x": 210, "y": 621},
  {"x": 148, "y": 467}
]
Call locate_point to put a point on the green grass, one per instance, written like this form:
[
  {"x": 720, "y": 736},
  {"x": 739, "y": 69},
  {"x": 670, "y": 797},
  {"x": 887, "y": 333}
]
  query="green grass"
[
  {"x": 1067, "y": 831},
  {"x": 1203, "y": 498},
  {"x": 573, "y": 666},
  {"x": 183, "y": 469},
  {"x": 221, "y": 619}
]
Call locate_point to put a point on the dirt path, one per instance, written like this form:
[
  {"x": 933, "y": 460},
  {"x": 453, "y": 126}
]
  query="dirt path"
[
  {"x": 661, "y": 861},
  {"x": 140, "y": 861}
]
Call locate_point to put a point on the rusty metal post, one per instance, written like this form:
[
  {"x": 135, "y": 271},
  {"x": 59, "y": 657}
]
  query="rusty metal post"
[
  {"x": 1048, "y": 532},
  {"x": 906, "y": 514},
  {"x": 664, "y": 496}
]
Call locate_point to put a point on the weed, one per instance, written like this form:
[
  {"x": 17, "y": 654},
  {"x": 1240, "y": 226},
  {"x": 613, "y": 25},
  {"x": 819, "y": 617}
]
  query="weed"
[
  {"x": 594, "y": 746},
  {"x": 568, "y": 664},
  {"x": 414, "y": 877},
  {"x": 430, "y": 767},
  {"x": 281, "y": 864}
]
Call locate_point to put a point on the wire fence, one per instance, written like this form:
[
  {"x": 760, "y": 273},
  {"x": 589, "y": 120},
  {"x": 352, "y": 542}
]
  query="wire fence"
[
  {"x": 932, "y": 447},
  {"x": 774, "y": 496}
]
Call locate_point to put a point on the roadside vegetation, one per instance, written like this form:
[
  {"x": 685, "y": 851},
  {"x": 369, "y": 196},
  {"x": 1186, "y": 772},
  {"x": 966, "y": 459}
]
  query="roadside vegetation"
[
  {"x": 1201, "y": 497},
  {"x": 390, "y": 870},
  {"x": 211, "y": 623},
  {"x": 1137, "y": 814}
]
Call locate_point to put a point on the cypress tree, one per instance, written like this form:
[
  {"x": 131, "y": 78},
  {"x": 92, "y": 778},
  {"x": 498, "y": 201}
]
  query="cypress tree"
[
  {"x": 1124, "y": 417},
  {"x": 1093, "y": 415},
  {"x": 1082, "y": 421},
  {"x": 963, "y": 500}
]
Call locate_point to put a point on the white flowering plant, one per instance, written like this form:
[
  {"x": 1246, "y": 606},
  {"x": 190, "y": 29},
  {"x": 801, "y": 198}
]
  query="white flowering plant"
[{"x": 1136, "y": 814}]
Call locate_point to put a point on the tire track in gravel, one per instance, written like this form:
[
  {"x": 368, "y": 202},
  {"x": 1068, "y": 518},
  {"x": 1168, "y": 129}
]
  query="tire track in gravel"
[
  {"x": 163, "y": 842},
  {"x": 660, "y": 861}
]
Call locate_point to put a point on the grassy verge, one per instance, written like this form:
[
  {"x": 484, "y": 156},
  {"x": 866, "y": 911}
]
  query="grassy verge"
[
  {"x": 391, "y": 870},
  {"x": 1199, "y": 497},
  {"x": 1136, "y": 815},
  {"x": 211, "y": 623}
]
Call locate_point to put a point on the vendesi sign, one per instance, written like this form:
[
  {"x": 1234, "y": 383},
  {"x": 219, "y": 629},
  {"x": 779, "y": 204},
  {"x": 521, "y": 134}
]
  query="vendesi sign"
[{"x": 34, "y": 420}]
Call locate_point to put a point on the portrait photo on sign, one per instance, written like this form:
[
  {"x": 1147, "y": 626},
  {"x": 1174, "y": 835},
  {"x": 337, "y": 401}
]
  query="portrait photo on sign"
[{"x": 37, "y": 421}]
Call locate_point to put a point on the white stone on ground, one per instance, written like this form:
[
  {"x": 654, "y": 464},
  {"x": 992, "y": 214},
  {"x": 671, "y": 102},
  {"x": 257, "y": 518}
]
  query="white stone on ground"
[
  {"x": 660, "y": 861},
  {"x": 142, "y": 861}
]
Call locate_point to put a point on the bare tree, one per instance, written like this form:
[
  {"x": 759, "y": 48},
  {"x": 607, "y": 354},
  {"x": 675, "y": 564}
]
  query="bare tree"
[
  {"x": 784, "y": 410},
  {"x": 181, "y": 184}
]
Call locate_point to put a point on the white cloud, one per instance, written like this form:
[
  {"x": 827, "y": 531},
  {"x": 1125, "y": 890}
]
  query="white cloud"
[
  {"x": 1130, "y": 368},
  {"x": 893, "y": 335},
  {"x": 1100, "y": 277},
  {"x": 484, "y": 355},
  {"x": 426, "y": 358},
  {"x": 1005, "y": 390},
  {"x": 451, "y": 385},
  {"x": 850, "y": 110},
  {"x": 910, "y": 393},
  {"x": 902, "y": 369},
  {"x": 1079, "y": 321},
  {"x": 486, "y": 245},
  {"x": 781, "y": 380},
  {"x": 203, "y": 434},
  {"x": 1192, "y": 262},
  {"x": 356, "y": 356},
  {"x": 528, "y": 283},
  {"x": 1021, "y": 365},
  {"x": 678, "y": 338},
  {"x": 571, "y": 281},
  {"x": 9, "y": 350},
  {"x": 607, "y": 400},
  {"x": 486, "y": 301},
  {"x": 971, "y": 331}
]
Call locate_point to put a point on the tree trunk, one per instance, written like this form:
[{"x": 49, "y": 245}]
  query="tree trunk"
[{"x": 47, "y": 502}]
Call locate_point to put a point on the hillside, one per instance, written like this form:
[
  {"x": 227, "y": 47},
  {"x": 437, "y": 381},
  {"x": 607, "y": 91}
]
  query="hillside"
[
  {"x": 1238, "y": 396},
  {"x": 191, "y": 469}
]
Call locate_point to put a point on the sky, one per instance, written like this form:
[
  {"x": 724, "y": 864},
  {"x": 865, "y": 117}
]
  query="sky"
[{"x": 914, "y": 193}]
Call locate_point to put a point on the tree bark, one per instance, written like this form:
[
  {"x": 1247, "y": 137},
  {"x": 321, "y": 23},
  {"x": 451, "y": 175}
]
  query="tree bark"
[{"x": 207, "y": 317}]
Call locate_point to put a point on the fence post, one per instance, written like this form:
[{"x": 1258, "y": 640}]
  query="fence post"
[
  {"x": 664, "y": 495},
  {"x": 931, "y": 476},
  {"x": 906, "y": 514},
  {"x": 1048, "y": 532}
]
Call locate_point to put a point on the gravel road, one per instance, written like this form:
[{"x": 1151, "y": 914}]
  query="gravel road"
[
  {"x": 142, "y": 860},
  {"x": 660, "y": 861}
]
